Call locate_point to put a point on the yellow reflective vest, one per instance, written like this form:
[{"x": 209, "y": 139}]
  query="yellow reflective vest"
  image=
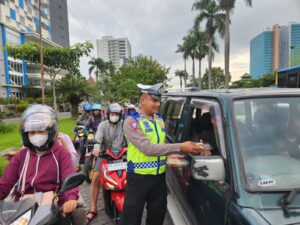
[{"x": 140, "y": 163}]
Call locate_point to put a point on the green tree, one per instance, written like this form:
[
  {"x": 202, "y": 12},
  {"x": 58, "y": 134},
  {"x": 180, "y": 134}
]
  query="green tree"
[
  {"x": 99, "y": 65},
  {"x": 139, "y": 69},
  {"x": 214, "y": 22},
  {"x": 267, "y": 80},
  {"x": 73, "y": 88},
  {"x": 218, "y": 78},
  {"x": 56, "y": 59}
]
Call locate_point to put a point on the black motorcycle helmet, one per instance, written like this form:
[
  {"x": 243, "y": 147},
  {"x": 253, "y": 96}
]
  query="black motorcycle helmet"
[{"x": 39, "y": 118}]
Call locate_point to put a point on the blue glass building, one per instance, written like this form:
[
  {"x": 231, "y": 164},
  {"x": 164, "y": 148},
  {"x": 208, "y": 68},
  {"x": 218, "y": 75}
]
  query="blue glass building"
[
  {"x": 261, "y": 54},
  {"x": 294, "y": 44},
  {"x": 272, "y": 50}
]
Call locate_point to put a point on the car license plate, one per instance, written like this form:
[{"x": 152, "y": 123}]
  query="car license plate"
[{"x": 117, "y": 166}]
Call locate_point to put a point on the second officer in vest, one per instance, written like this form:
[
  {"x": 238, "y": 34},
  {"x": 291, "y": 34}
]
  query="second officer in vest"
[{"x": 146, "y": 156}]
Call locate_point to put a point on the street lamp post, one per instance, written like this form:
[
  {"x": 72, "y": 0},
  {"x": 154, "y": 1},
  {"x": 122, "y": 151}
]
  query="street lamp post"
[{"x": 41, "y": 53}]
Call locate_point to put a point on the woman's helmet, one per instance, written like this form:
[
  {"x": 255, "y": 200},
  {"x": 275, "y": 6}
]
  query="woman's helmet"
[
  {"x": 97, "y": 107},
  {"x": 39, "y": 118},
  {"x": 87, "y": 107}
]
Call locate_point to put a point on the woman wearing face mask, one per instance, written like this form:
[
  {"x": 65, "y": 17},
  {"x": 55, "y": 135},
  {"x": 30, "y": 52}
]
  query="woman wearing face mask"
[
  {"x": 109, "y": 135},
  {"x": 45, "y": 161}
]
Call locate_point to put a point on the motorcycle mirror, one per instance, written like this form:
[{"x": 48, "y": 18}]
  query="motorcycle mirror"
[{"x": 72, "y": 181}]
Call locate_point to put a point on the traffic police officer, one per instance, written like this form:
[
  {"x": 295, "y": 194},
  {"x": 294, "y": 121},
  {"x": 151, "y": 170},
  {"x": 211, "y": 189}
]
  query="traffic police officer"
[{"x": 146, "y": 157}]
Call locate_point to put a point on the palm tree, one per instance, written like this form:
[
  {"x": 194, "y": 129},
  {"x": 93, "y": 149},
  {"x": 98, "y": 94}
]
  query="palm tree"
[
  {"x": 185, "y": 77},
  {"x": 182, "y": 76},
  {"x": 185, "y": 55},
  {"x": 99, "y": 64},
  {"x": 227, "y": 6},
  {"x": 190, "y": 44},
  {"x": 73, "y": 88},
  {"x": 215, "y": 20},
  {"x": 201, "y": 50}
]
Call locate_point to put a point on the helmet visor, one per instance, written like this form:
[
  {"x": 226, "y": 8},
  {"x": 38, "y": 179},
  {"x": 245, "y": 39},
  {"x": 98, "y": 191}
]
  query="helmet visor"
[{"x": 38, "y": 122}]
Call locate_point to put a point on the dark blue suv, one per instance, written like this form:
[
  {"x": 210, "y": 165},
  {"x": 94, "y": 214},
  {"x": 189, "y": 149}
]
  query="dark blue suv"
[{"x": 253, "y": 174}]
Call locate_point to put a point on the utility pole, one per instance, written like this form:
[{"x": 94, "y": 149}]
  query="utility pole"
[{"x": 41, "y": 53}]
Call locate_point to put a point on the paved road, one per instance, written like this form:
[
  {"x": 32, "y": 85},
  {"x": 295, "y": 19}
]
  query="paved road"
[
  {"x": 17, "y": 120},
  {"x": 102, "y": 218}
]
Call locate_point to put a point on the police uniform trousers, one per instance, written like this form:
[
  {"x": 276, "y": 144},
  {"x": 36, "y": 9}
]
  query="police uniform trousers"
[{"x": 145, "y": 189}]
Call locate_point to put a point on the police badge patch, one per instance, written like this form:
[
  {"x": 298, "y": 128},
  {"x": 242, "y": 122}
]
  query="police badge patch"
[{"x": 133, "y": 125}]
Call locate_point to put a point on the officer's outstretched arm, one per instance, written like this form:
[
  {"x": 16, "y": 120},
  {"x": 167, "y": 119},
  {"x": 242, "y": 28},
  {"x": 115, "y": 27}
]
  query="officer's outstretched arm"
[{"x": 135, "y": 136}]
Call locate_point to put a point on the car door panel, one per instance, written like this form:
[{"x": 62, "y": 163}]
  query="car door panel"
[{"x": 205, "y": 202}]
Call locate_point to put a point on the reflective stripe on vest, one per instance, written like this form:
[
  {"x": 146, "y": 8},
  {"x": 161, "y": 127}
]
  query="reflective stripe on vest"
[
  {"x": 149, "y": 164},
  {"x": 138, "y": 162}
]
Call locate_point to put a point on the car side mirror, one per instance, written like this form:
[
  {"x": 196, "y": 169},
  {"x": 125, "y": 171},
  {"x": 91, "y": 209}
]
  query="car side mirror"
[
  {"x": 210, "y": 168},
  {"x": 72, "y": 181}
]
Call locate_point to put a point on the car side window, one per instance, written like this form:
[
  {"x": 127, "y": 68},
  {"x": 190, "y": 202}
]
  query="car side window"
[
  {"x": 162, "y": 107},
  {"x": 207, "y": 125},
  {"x": 172, "y": 117}
]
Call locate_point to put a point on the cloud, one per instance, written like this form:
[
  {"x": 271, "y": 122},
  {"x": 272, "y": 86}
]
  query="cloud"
[{"x": 155, "y": 27}]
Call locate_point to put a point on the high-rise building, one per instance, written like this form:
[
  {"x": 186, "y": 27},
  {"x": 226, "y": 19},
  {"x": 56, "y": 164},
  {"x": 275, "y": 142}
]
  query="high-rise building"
[
  {"x": 294, "y": 47},
  {"x": 19, "y": 23},
  {"x": 284, "y": 47},
  {"x": 261, "y": 54},
  {"x": 59, "y": 22},
  {"x": 282, "y": 44},
  {"x": 116, "y": 50}
]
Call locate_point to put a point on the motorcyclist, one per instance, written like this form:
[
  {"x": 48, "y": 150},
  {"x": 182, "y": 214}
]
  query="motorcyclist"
[
  {"x": 43, "y": 164},
  {"x": 96, "y": 117},
  {"x": 109, "y": 135},
  {"x": 125, "y": 111},
  {"x": 131, "y": 109},
  {"x": 84, "y": 116},
  {"x": 91, "y": 124}
]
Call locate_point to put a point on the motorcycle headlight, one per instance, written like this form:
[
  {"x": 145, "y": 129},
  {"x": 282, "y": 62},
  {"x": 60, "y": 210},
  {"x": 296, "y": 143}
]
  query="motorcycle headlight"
[
  {"x": 108, "y": 177},
  {"x": 23, "y": 220}
]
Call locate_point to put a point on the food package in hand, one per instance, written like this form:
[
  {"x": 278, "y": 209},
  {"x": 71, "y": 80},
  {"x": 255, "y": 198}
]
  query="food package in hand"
[{"x": 177, "y": 162}]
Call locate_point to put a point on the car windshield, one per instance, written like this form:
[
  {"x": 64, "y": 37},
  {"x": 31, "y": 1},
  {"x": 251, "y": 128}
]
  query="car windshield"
[{"x": 268, "y": 131}]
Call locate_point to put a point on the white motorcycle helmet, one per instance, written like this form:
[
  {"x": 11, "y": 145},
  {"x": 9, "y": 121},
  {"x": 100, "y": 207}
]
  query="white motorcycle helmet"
[{"x": 115, "y": 108}]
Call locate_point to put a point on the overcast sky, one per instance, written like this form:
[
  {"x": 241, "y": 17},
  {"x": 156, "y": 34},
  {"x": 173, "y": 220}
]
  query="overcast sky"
[{"x": 155, "y": 27}]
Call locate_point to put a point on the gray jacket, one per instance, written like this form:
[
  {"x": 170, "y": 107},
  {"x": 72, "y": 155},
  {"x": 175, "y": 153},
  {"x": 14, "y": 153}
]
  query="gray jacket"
[{"x": 109, "y": 135}]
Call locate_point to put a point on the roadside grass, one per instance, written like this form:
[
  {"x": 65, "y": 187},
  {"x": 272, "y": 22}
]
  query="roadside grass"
[{"x": 13, "y": 139}]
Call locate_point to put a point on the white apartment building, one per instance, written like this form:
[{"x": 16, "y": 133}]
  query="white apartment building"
[{"x": 116, "y": 50}]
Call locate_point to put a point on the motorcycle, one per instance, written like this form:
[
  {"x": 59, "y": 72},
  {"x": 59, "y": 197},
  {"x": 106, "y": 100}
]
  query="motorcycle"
[
  {"x": 28, "y": 212},
  {"x": 113, "y": 181},
  {"x": 89, "y": 158},
  {"x": 78, "y": 136}
]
